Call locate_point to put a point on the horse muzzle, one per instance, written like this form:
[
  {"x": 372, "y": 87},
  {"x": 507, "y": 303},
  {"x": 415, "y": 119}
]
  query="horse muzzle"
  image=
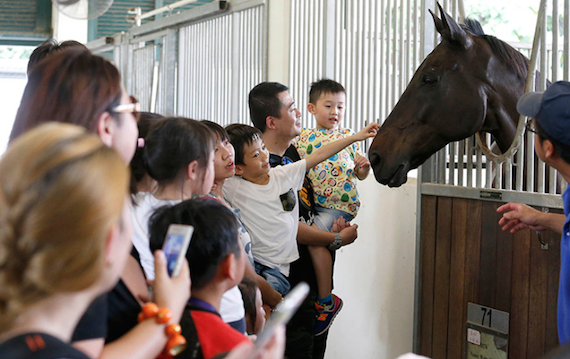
[{"x": 389, "y": 175}]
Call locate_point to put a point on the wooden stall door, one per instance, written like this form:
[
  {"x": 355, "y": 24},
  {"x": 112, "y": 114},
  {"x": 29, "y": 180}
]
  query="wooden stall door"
[{"x": 466, "y": 257}]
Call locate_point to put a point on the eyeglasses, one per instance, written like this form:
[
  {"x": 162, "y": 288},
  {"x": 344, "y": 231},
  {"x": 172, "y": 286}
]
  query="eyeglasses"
[
  {"x": 134, "y": 107},
  {"x": 530, "y": 126}
]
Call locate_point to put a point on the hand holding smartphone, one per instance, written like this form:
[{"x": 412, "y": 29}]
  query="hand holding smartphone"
[
  {"x": 282, "y": 314},
  {"x": 175, "y": 247}
]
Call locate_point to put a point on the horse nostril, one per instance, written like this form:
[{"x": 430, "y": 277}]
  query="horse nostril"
[{"x": 375, "y": 160}]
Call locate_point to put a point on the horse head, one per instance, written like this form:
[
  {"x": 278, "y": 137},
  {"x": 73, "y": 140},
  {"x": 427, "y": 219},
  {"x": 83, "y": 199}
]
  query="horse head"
[{"x": 470, "y": 82}]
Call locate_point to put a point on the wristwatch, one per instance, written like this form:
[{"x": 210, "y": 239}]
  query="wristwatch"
[{"x": 337, "y": 243}]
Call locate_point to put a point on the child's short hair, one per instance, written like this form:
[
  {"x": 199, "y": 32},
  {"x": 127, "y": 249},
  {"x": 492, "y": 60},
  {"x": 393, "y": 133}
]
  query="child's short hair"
[
  {"x": 240, "y": 136},
  {"x": 215, "y": 235},
  {"x": 324, "y": 86},
  {"x": 217, "y": 130},
  {"x": 248, "y": 289},
  {"x": 263, "y": 102}
]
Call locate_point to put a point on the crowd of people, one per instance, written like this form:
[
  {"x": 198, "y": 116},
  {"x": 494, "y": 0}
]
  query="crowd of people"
[{"x": 90, "y": 185}]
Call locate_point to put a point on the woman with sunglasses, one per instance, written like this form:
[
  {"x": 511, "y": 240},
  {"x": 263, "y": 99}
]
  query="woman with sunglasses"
[{"x": 74, "y": 86}]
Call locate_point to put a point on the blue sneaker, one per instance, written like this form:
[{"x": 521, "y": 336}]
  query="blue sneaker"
[{"x": 326, "y": 314}]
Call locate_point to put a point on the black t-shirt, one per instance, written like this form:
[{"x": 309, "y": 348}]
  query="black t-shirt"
[
  {"x": 38, "y": 346},
  {"x": 93, "y": 324},
  {"x": 111, "y": 315},
  {"x": 122, "y": 312},
  {"x": 302, "y": 269}
]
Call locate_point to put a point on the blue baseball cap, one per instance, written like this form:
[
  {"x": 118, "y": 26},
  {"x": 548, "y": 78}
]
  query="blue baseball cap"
[{"x": 551, "y": 109}]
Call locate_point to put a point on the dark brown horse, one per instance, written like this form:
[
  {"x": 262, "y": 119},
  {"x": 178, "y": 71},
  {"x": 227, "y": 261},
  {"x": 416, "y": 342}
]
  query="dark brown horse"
[{"x": 469, "y": 83}]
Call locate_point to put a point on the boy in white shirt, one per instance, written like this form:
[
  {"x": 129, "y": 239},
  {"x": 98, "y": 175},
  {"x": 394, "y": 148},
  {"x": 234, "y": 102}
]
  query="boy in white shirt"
[{"x": 267, "y": 198}]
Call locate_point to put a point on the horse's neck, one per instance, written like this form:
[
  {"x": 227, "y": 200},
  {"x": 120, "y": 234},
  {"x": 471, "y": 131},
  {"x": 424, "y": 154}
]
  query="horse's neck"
[{"x": 502, "y": 116}]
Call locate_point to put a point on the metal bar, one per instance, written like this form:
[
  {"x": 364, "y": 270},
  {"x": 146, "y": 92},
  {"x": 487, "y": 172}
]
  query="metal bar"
[
  {"x": 542, "y": 85},
  {"x": 402, "y": 54},
  {"x": 373, "y": 47},
  {"x": 185, "y": 17},
  {"x": 555, "y": 66},
  {"x": 394, "y": 52},
  {"x": 566, "y": 40},
  {"x": 451, "y": 163},
  {"x": 264, "y": 27},
  {"x": 461, "y": 11},
  {"x": 154, "y": 87},
  {"x": 498, "y": 175},
  {"x": 163, "y": 9},
  {"x": 530, "y": 163},
  {"x": 351, "y": 55},
  {"x": 489, "y": 167},
  {"x": 303, "y": 53},
  {"x": 102, "y": 44},
  {"x": 359, "y": 104},
  {"x": 389, "y": 71},
  {"x": 383, "y": 69},
  {"x": 555, "y": 36},
  {"x": 519, "y": 164},
  {"x": 149, "y": 37},
  {"x": 235, "y": 69},
  {"x": 293, "y": 52},
  {"x": 461, "y": 164},
  {"x": 182, "y": 44},
  {"x": 407, "y": 72},
  {"x": 532, "y": 199},
  {"x": 479, "y": 165},
  {"x": 441, "y": 154},
  {"x": 508, "y": 165}
]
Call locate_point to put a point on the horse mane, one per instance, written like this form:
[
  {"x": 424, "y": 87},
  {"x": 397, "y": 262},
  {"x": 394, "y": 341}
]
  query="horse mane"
[{"x": 505, "y": 52}]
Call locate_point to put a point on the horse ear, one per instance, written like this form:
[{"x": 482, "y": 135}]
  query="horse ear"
[
  {"x": 438, "y": 24},
  {"x": 450, "y": 30}
]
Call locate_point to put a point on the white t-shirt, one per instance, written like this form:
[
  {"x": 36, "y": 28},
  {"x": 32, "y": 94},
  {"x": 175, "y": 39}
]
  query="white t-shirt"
[
  {"x": 243, "y": 235},
  {"x": 271, "y": 213},
  {"x": 145, "y": 205},
  {"x": 231, "y": 307}
]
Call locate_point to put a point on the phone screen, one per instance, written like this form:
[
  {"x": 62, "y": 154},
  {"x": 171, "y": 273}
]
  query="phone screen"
[{"x": 172, "y": 248}]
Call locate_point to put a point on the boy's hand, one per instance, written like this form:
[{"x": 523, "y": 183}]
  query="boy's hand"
[
  {"x": 339, "y": 224},
  {"x": 361, "y": 162},
  {"x": 369, "y": 131},
  {"x": 349, "y": 234}
]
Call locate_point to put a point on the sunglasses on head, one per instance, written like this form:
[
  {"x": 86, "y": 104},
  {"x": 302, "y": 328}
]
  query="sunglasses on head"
[{"x": 133, "y": 107}]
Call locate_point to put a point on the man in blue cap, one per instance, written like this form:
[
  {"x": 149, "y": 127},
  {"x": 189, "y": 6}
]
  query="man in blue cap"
[{"x": 550, "y": 121}]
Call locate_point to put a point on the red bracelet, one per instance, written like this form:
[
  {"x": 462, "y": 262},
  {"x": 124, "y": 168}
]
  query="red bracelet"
[{"x": 176, "y": 342}]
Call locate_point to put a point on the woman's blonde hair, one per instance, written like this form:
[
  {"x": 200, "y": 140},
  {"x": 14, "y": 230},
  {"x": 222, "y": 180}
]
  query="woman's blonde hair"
[{"x": 61, "y": 192}]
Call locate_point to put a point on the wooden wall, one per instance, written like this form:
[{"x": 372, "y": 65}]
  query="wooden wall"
[{"x": 466, "y": 257}]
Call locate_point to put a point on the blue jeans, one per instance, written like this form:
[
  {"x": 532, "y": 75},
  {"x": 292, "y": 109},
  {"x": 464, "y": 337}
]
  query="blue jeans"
[
  {"x": 325, "y": 217},
  {"x": 275, "y": 278}
]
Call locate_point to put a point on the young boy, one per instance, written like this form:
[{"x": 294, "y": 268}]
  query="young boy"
[
  {"x": 267, "y": 199},
  {"x": 333, "y": 180},
  {"x": 217, "y": 262}
]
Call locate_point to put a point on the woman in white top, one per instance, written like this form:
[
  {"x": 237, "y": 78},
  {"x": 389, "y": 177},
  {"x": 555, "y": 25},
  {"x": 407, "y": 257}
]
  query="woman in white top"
[{"x": 179, "y": 155}]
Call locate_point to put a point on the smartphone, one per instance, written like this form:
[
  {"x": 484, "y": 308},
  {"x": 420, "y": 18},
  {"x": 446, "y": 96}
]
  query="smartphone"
[
  {"x": 175, "y": 247},
  {"x": 282, "y": 314}
]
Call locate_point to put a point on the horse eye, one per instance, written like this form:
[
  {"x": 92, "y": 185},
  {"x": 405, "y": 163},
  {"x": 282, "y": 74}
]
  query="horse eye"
[{"x": 429, "y": 81}]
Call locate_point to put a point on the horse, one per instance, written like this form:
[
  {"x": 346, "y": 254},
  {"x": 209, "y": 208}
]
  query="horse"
[{"x": 470, "y": 83}]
